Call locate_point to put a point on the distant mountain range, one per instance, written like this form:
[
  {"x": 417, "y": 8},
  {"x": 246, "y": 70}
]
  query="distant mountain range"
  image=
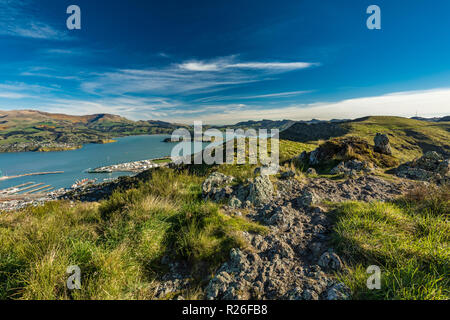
[{"x": 442, "y": 119}]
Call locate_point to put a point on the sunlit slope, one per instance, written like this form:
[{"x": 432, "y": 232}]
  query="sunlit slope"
[{"x": 409, "y": 138}]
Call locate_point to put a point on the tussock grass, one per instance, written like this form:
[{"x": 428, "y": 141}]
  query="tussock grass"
[
  {"x": 118, "y": 243},
  {"x": 408, "y": 239}
]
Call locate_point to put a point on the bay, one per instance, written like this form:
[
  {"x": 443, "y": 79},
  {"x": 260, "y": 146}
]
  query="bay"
[{"x": 74, "y": 163}]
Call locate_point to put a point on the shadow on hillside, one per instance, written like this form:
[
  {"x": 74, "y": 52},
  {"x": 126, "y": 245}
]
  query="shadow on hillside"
[
  {"x": 425, "y": 143},
  {"x": 304, "y": 132}
]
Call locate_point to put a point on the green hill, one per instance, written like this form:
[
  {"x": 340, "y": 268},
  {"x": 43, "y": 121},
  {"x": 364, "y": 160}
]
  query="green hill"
[
  {"x": 30, "y": 130},
  {"x": 409, "y": 138}
]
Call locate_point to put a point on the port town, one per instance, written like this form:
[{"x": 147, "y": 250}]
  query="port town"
[
  {"x": 31, "y": 193},
  {"x": 135, "y": 166}
]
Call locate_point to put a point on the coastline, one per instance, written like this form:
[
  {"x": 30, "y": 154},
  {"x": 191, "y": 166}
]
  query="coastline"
[{"x": 50, "y": 147}]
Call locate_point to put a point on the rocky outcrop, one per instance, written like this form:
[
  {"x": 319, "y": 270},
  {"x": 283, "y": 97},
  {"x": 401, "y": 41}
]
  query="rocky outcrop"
[
  {"x": 382, "y": 144},
  {"x": 216, "y": 187},
  {"x": 294, "y": 260},
  {"x": 431, "y": 167},
  {"x": 350, "y": 148},
  {"x": 353, "y": 167},
  {"x": 256, "y": 192},
  {"x": 280, "y": 264}
]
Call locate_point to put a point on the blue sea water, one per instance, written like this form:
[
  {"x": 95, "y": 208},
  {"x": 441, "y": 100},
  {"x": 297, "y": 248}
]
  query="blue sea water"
[{"x": 75, "y": 163}]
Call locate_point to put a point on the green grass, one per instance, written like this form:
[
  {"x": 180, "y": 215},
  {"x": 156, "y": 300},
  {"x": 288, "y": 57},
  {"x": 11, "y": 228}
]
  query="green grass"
[
  {"x": 118, "y": 243},
  {"x": 408, "y": 239},
  {"x": 160, "y": 161},
  {"x": 242, "y": 172},
  {"x": 409, "y": 138}
]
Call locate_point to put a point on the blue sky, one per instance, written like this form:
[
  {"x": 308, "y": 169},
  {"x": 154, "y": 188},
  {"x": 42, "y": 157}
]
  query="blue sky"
[{"x": 226, "y": 61}]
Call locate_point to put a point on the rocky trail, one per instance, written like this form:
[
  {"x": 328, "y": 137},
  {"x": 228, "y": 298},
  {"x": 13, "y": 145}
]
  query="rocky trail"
[{"x": 294, "y": 260}]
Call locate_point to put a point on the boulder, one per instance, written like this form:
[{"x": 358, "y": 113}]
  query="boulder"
[
  {"x": 260, "y": 191},
  {"x": 382, "y": 144},
  {"x": 314, "y": 158},
  {"x": 267, "y": 170}
]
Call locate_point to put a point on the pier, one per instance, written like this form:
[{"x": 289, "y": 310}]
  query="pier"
[{"x": 29, "y": 175}]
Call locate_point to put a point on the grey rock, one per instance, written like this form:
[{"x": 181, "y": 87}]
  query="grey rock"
[
  {"x": 330, "y": 260},
  {"x": 216, "y": 186},
  {"x": 353, "y": 167},
  {"x": 338, "y": 292},
  {"x": 307, "y": 199},
  {"x": 382, "y": 144},
  {"x": 235, "y": 203},
  {"x": 261, "y": 191},
  {"x": 314, "y": 157},
  {"x": 431, "y": 167}
]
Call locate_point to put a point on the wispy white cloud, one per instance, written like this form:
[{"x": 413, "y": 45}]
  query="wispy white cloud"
[
  {"x": 222, "y": 64},
  {"x": 261, "y": 96},
  {"x": 188, "y": 77},
  {"x": 18, "y": 19},
  {"x": 12, "y": 95},
  {"x": 428, "y": 103}
]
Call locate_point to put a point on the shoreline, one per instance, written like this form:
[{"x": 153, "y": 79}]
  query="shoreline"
[{"x": 49, "y": 148}]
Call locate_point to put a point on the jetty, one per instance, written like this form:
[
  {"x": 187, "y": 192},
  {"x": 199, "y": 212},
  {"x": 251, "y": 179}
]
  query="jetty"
[{"x": 29, "y": 175}]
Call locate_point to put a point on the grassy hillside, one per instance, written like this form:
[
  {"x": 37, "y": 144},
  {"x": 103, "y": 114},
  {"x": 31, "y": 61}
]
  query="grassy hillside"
[
  {"x": 409, "y": 138},
  {"x": 408, "y": 239},
  {"x": 30, "y": 130},
  {"x": 118, "y": 243}
]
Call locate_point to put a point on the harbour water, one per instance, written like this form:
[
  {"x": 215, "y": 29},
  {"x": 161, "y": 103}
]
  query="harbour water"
[{"x": 76, "y": 162}]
